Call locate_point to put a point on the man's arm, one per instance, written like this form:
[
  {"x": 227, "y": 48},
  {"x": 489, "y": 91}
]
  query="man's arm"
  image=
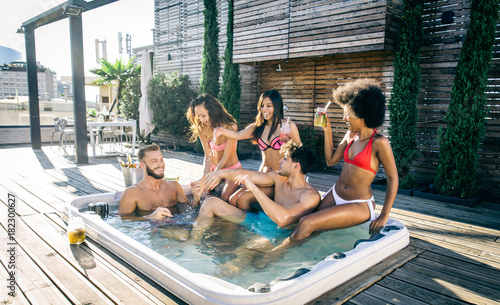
[
  {"x": 213, "y": 179},
  {"x": 196, "y": 191},
  {"x": 279, "y": 214},
  {"x": 128, "y": 201}
]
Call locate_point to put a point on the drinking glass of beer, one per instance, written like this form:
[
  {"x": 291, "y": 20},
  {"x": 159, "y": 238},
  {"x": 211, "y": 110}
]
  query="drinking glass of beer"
[{"x": 76, "y": 230}]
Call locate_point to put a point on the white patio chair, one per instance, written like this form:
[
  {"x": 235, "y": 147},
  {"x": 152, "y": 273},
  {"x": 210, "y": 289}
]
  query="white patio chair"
[
  {"x": 65, "y": 132},
  {"x": 56, "y": 129}
]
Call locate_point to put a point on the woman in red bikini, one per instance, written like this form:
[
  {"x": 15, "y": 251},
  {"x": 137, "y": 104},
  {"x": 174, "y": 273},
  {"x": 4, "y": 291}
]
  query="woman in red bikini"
[
  {"x": 350, "y": 201},
  {"x": 265, "y": 132},
  {"x": 205, "y": 113}
]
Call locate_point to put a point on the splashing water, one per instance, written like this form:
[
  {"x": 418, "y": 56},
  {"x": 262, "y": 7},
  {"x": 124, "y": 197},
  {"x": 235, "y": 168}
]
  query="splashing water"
[{"x": 214, "y": 138}]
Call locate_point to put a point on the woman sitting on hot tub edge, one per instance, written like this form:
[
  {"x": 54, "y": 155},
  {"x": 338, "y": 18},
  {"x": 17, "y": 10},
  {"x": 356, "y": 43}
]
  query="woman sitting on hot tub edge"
[{"x": 350, "y": 201}]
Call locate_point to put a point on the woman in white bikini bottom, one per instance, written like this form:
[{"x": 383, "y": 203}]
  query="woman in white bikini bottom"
[{"x": 340, "y": 201}]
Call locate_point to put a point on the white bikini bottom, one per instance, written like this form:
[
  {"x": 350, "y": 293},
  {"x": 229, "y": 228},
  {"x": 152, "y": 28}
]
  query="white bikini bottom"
[{"x": 340, "y": 201}]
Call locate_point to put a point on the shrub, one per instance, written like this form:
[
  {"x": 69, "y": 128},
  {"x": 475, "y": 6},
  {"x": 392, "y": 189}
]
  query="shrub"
[
  {"x": 459, "y": 143},
  {"x": 131, "y": 96},
  {"x": 169, "y": 96},
  {"x": 92, "y": 112},
  {"x": 403, "y": 103}
]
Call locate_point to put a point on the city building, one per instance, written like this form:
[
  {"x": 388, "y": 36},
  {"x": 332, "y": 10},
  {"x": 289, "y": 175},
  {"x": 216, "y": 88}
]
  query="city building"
[{"x": 14, "y": 82}]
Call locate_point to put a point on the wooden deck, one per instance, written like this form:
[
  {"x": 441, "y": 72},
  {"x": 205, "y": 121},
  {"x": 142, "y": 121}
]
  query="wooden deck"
[{"x": 453, "y": 256}]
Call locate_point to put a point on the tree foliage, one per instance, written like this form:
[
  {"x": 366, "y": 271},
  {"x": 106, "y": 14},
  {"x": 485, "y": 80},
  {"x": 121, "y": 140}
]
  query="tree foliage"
[
  {"x": 210, "y": 64},
  {"x": 230, "y": 94},
  {"x": 119, "y": 72},
  {"x": 460, "y": 142},
  {"x": 403, "y": 103},
  {"x": 169, "y": 97}
]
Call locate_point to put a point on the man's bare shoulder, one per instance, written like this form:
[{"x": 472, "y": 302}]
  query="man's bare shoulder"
[
  {"x": 131, "y": 192},
  {"x": 311, "y": 192}
]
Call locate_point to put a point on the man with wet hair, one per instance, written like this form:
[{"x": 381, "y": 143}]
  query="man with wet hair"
[
  {"x": 153, "y": 193},
  {"x": 294, "y": 197}
]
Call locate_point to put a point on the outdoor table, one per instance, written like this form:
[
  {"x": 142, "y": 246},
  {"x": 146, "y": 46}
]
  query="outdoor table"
[{"x": 97, "y": 125}]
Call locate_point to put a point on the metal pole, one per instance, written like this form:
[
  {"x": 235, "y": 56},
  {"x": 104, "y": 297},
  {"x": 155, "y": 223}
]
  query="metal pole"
[
  {"x": 31, "y": 70},
  {"x": 78, "y": 73}
]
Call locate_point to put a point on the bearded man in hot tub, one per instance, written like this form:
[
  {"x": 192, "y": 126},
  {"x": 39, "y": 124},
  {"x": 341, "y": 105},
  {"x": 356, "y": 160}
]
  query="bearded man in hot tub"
[
  {"x": 294, "y": 197},
  {"x": 153, "y": 193}
]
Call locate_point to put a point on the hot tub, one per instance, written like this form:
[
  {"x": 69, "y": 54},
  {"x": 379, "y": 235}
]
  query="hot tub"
[{"x": 198, "y": 288}]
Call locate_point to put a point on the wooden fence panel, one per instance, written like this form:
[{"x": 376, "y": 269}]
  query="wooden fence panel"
[
  {"x": 272, "y": 30},
  {"x": 179, "y": 36}
]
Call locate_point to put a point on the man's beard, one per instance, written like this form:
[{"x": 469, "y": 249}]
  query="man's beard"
[{"x": 152, "y": 173}]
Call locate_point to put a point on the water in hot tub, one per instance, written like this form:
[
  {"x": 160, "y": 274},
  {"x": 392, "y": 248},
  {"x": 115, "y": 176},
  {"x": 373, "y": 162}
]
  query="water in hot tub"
[{"x": 222, "y": 242}]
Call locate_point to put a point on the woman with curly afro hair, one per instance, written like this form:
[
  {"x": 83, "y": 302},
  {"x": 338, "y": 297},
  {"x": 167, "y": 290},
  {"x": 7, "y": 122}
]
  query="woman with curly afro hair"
[{"x": 350, "y": 201}]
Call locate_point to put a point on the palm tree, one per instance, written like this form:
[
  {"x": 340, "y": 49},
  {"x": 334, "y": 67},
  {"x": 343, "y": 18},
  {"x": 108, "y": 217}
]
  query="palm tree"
[{"x": 118, "y": 72}]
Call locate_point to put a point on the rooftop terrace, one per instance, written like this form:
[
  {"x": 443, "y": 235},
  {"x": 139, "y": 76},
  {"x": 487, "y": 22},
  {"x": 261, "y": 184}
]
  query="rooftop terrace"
[{"x": 453, "y": 256}]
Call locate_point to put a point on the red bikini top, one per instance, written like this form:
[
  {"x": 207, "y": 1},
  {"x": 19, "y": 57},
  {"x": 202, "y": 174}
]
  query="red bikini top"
[{"x": 364, "y": 158}]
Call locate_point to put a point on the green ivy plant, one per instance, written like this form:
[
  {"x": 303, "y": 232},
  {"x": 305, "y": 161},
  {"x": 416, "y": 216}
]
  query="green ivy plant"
[
  {"x": 459, "y": 143},
  {"x": 403, "y": 103},
  {"x": 210, "y": 63},
  {"x": 230, "y": 94}
]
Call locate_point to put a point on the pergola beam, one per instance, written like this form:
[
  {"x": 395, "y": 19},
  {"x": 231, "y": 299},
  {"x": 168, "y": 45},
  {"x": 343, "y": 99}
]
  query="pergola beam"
[
  {"x": 76, "y": 41},
  {"x": 56, "y": 13},
  {"x": 31, "y": 71}
]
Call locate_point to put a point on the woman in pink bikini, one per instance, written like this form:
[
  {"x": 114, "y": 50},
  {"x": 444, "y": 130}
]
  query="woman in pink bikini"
[
  {"x": 350, "y": 201},
  {"x": 265, "y": 132},
  {"x": 205, "y": 113}
]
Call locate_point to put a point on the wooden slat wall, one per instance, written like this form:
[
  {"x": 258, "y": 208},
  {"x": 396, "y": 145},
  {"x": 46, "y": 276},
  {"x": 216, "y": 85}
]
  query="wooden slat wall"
[
  {"x": 307, "y": 83},
  {"x": 179, "y": 32},
  {"x": 439, "y": 58},
  {"x": 270, "y": 30}
]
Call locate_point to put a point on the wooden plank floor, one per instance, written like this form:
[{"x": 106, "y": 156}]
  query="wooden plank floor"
[{"x": 453, "y": 256}]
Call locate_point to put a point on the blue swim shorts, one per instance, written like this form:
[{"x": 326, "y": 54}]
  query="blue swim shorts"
[{"x": 260, "y": 224}]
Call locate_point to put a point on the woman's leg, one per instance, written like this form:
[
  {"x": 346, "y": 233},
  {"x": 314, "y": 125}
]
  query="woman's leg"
[{"x": 332, "y": 217}]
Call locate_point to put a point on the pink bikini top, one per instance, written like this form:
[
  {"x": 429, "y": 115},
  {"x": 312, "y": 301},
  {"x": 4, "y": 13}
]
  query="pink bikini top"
[
  {"x": 275, "y": 144},
  {"x": 364, "y": 158},
  {"x": 216, "y": 147}
]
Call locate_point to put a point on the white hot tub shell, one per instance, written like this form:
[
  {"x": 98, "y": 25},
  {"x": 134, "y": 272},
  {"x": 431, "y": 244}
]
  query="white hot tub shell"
[{"x": 197, "y": 288}]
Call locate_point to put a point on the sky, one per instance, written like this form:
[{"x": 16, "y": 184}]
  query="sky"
[{"x": 135, "y": 17}]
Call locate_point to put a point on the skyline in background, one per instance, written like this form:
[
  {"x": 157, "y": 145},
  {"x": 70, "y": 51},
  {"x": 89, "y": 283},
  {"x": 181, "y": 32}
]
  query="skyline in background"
[{"x": 134, "y": 17}]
